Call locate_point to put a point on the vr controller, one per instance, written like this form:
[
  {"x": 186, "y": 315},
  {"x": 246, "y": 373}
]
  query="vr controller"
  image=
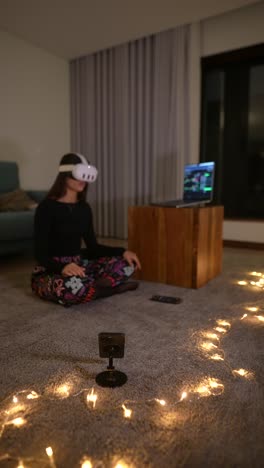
[{"x": 84, "y": 171}]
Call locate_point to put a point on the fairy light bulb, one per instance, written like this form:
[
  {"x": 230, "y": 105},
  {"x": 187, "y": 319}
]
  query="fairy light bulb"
[
  {"x": 223, "y": 323},
  {"x": 183, "y": 396},
  {"x": 49, "y": 452},
  {"x": 121, "y": 464},
  {"x": 208, "y": 387},
  {"x": 20, "y": 464},
  {"x": 212, "y": 336},
  {"x": 18, "y": 422},
  {"x": 15, "y": 399},
  {"x": 260, "y": 318},
  {"x": 243, "y": 373},
  {"x": 252, "y": 309},
  {"x": 64, "y": 390},
  {"x": 214, "y": 383},
  {"x": 203, "y": 390},
  {"x": 86, "y": 463},
  {"x": 92, "y": 397},
  {"x": 32, "y": 395},
  {"x": 127, "y": 412},
  {"x": 242, "y": 283},
  {"x": 217, "y": 357},
  {"x": 244, "y": 316},
  {"x": 161, "y": 402},
  {"x": 208, "y": 346},
  {"x": 220, "y": 329}
]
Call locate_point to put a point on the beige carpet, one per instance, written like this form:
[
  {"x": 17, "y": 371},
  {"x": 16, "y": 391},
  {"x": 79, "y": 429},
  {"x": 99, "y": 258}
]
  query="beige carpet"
[{"x": 45, "y": 348}]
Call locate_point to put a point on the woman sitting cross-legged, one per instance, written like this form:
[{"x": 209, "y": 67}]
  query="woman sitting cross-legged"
[{"x": 66, "y": 273}]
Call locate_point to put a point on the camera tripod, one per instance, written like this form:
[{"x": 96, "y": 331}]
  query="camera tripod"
[{"x": 111, "y": 377}]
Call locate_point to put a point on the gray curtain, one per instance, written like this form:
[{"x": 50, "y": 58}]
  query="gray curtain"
[{"x": 135, "y": 114}]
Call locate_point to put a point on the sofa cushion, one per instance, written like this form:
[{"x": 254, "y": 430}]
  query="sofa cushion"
[
  {"x": 17, "y": 200},
  {"x": 8, "y": 176},
  {"x": 17, "y": 225}
]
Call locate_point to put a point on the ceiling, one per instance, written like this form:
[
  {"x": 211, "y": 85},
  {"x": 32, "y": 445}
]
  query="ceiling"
[{"x": 72, "y": 28}]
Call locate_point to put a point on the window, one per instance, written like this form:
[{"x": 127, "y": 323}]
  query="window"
[{"x": 232, "y": 129}]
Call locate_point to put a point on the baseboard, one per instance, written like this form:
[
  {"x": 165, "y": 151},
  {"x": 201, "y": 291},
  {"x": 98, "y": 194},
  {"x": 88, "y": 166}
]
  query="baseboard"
[{"x": 243, "y": 244}]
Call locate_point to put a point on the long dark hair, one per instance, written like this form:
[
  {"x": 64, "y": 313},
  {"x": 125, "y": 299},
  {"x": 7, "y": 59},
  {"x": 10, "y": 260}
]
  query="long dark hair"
[
  {"x": 58, "y": 189},
  {"x": 59, "y": 186}
]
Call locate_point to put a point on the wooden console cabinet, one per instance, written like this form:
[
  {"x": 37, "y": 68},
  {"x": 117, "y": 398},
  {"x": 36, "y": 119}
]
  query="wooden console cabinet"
[{"x": 178, "y": 246}]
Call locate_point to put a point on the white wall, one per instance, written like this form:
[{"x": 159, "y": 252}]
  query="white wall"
[
  {"x": 240, "y": 28},
  {"x": 244, "y": 231},
  {"x": 34, "y": 110}
]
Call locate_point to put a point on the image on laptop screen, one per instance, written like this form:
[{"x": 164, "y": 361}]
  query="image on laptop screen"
[{"x": 199, "y": 181}]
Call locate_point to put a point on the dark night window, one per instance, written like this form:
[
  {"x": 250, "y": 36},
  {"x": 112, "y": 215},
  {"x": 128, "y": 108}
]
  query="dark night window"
[{"x": 232, "y": 130}]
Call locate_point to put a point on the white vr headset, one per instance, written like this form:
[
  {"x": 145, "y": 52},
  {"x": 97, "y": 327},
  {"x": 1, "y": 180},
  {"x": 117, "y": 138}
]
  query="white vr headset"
[{"x": 84, "y": 171}]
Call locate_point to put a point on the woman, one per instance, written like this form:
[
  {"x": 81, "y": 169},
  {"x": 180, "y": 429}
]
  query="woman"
[{"x": 67, "y": 274}]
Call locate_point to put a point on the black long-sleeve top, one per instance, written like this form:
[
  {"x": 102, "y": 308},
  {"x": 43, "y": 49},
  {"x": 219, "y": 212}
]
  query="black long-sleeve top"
[{"x": 59, "y": 230}]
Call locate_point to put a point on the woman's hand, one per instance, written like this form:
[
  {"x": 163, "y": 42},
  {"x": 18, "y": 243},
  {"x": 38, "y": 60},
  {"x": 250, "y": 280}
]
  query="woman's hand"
[
  {"x": 132, "y": 259},
  {"x": 72, "y": 269}
]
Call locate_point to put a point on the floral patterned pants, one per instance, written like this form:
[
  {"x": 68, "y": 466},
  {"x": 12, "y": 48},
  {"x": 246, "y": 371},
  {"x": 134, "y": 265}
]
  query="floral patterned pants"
[{"x": 70, "y": 290}]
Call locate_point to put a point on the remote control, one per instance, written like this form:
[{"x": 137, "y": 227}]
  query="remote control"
[{"x": 166, "y": 299}]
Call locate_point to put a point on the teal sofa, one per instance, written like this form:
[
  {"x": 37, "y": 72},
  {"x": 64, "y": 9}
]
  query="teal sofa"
[{"x": 16, "y": 227}]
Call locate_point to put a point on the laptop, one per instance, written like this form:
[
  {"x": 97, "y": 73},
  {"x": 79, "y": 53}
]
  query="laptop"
[{"x": 198, "y": 186}]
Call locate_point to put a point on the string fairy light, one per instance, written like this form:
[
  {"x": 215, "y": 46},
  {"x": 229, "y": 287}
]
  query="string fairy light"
[
  {"x": 207, "y": 387},
  {"x": 259, "y": 282},
  {"x": 209, "y": 346}
]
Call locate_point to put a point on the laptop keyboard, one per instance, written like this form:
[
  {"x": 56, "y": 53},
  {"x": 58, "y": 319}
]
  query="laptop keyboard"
[{"x": 180, "y": 202}]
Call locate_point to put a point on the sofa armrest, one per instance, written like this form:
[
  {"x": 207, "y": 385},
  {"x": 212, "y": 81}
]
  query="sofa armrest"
[{"x": 37, "y": 195}]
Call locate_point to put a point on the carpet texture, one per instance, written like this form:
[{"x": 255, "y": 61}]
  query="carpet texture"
[{"x": 45, "y": 347}]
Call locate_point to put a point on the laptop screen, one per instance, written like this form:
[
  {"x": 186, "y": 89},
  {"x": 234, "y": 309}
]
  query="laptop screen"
[{"x": 199, "y": 181}]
